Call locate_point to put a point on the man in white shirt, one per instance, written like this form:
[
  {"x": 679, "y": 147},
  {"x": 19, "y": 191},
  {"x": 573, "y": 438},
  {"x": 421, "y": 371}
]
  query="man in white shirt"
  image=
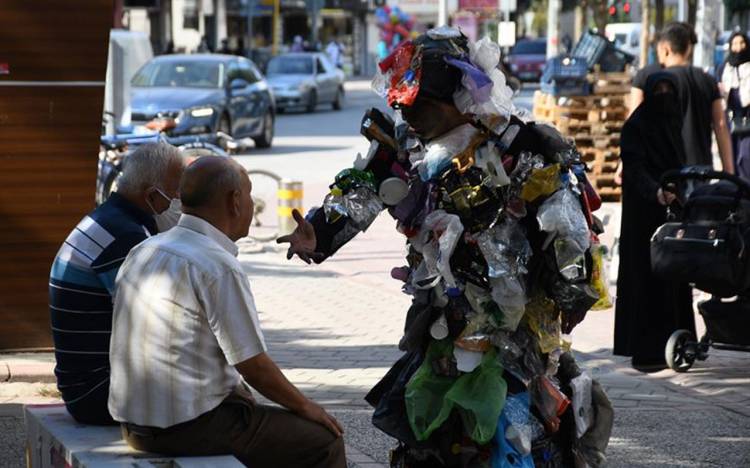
[{"x": 186, "y": 333}]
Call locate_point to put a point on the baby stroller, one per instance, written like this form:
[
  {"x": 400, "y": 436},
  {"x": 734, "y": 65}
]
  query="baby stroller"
[{"x": 707, "y": 244}]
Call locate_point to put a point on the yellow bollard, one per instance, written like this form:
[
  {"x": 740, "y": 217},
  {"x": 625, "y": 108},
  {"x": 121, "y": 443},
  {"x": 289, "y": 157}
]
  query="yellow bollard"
[{"x": 290, "y": 196}]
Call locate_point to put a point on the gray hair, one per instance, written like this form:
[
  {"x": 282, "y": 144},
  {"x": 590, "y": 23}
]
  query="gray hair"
[{"x": 147, "y": 166}]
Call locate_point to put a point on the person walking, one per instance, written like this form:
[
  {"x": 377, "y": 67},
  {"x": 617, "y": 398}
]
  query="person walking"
[
  {"x": 648, "y": 309},
  {"x": 735, "y": 83},
  {"x": 700, "y": 99}
]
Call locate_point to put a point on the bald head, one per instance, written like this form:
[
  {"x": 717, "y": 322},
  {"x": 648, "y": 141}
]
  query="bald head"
[
  {"x": 209, "y": 179},
  {"x": 217, "y": 189}
]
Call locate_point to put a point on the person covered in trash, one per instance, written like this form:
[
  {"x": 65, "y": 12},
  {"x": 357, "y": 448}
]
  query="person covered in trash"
[{"x": 502, "y": 262}]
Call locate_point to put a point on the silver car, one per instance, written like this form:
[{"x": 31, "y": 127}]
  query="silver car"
[{"x": 305, "y": 79}]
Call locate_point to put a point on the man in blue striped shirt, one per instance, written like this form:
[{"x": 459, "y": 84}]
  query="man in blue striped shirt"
[{"x": 83, "y": 274}]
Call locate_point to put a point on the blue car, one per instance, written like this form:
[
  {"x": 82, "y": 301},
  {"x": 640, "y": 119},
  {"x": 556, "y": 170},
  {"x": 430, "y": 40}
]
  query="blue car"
[{"x": 201, "y": 94}]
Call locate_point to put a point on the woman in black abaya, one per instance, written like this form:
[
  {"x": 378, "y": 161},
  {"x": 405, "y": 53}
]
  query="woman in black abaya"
[{"x": 648, "y": 309}]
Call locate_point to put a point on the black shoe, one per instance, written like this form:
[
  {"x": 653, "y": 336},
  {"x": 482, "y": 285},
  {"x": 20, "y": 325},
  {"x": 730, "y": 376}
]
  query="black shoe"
[{"x": 647, "y": 366}]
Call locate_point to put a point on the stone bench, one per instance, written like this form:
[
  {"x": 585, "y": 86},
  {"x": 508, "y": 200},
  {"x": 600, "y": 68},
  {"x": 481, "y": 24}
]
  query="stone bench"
[{"x": 55, "y": 440}]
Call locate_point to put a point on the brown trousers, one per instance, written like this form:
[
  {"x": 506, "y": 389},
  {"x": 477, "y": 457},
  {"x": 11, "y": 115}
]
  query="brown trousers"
[{"x": 258, "y": 435}]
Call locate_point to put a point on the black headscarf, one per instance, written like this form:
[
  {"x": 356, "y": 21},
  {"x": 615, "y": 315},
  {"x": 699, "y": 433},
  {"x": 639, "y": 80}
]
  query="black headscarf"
[
  {"x": 653, "y": 134},
  {"x": 736, "y": 59}
]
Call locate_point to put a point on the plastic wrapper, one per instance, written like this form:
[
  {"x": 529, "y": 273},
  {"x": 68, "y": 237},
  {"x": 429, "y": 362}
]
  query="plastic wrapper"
[
  {"x": 575, "y": 299},
  {"x": 441, "y": 151},
  {"x": 518, "y": 353},
  {"x": 541, "y": 183},
  {"x": 446, "y": 229},
  {"x": 561, "y": 215},
  {"x": 362, "y": 206},
  {"x": 571, "y": 261},
  {"x": 525, "y": 165},
  {"x": 583, "y": 411},
  {"x": 474, "y": 79},
  {"x": 505, "y": 248},
  {"x": 444, "y": 32},
  {"x": 510, "y": 296},
  {"x": 599, "y": 280},
  {"x": 512, "y": 448},
  {"x": 549, "y": 401},
  {"x": 591, "y": 447},
  {"x": 380, "y": 83},
  {"x": 478, "y": 397},
  {"x": 544, "y": 321}
]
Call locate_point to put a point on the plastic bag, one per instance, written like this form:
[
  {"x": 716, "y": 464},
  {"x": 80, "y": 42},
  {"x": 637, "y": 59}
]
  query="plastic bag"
[
  {"x": 525, "y": 165},
  {"x": 571, "y": 261},
  {"x": 512, "y": 447},
  {"x": 387, "y": 397},
  {"x": 599, "y": 278},
  {"x": 561, "y": 215},
  {"x": 447, "y": 230},
  {"x": 441, "y": 151},
  {"x": 509, "y": 293},
  {"x": 474, "y": 80},
  {"x": 583, "y": 411},
  {"x": 544, "y": 322},
  {"x": 334, "y": 205},
  {"x": 478, "y": 396},
  {"x": 541, "y": 183}
]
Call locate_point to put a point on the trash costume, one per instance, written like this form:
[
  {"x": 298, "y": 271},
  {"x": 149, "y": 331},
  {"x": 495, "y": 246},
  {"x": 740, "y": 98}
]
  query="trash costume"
[{"x": 502, "y": 257}]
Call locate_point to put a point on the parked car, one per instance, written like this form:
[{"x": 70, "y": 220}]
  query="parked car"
[
  {"x": 201, "y": 94},
  {"x": 527, "y": 58},
  {"x": 305, "y": 79}
]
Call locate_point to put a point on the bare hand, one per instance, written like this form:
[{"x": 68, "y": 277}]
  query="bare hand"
[
  {"x": 302, "y": 241},
  {"x": 618, "y": 174},
  {"x": 665, "y": 197},
  {"x": 315, "y": 413}
]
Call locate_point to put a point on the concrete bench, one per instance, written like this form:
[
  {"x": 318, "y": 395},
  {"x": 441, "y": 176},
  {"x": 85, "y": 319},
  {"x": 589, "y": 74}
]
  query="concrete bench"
[{"x": 55, "y": 440}]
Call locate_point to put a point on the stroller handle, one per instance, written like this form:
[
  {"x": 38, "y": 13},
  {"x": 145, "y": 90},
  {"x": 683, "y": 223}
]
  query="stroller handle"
[{"x": 696, "y": 173}]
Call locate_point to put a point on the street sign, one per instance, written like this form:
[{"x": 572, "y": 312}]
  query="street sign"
[{"x": 506, "y": 33}]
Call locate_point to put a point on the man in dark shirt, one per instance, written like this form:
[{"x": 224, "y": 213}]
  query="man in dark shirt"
[
  {"x": 83, "y": 274},
  {"x": 699, "y": 95}
]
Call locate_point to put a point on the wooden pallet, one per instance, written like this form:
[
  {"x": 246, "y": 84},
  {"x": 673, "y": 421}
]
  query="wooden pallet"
[{"x": 609, "y": 194}]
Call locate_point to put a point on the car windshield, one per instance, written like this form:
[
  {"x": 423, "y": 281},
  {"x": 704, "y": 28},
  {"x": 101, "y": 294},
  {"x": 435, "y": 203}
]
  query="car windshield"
[
  {"x": 290, "y": 66},
  {"x": 621, "y": 39},
  {"x": 180, "y": 74},
  {"x": 530, "y": 48}
]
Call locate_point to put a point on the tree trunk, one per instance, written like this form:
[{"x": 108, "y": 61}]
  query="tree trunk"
[{"x": 659, "y": 7}]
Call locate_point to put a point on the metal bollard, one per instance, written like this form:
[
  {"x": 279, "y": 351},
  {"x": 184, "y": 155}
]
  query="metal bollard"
[{"x": 290, "y": 197}]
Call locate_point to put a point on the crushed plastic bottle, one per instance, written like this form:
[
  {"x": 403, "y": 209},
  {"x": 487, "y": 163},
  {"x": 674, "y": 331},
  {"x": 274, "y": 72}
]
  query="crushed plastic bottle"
[
  {"x": 441, "y": 151},
  {"x": 363, "y": 206},
  {"x": 446, "y": 230}
]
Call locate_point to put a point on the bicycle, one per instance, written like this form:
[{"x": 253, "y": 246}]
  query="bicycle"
[{"x": 265, "y": 226}]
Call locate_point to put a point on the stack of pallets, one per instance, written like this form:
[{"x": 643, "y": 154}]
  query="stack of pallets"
[{"x": 594, "y": 124}]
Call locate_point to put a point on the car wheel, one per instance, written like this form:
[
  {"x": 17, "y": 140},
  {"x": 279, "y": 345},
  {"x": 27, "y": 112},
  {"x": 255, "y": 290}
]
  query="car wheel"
[
  {"x": 266, "y": 136},
  {"x": 312, "y": 101},
  {"x": 224, "y": 125},
  {"x": 338, "y": 102}
]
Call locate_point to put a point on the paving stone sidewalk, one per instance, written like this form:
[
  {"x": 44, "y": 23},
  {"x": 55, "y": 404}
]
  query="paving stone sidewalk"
[{"x": 333, "y": 328}]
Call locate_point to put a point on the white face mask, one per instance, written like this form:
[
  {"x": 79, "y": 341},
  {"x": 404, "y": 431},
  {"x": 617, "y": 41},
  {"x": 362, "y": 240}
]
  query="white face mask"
[{"x": 168, "y": 218}]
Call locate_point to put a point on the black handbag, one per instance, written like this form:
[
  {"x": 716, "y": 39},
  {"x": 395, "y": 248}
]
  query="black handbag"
[
  {"x": 740, "y": 126},
  {"x": 711, "y": 254}
]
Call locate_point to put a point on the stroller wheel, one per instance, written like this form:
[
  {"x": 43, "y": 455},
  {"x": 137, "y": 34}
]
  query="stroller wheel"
[{"x": 681, "y": 350}]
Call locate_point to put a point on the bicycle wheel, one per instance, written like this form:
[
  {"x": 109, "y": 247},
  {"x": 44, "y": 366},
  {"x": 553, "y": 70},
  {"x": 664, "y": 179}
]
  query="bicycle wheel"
[{"x": 265, "y": 225}]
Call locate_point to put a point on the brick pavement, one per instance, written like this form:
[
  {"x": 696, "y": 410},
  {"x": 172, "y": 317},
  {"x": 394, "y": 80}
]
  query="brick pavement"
[{"x": 333, "y": 329}]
